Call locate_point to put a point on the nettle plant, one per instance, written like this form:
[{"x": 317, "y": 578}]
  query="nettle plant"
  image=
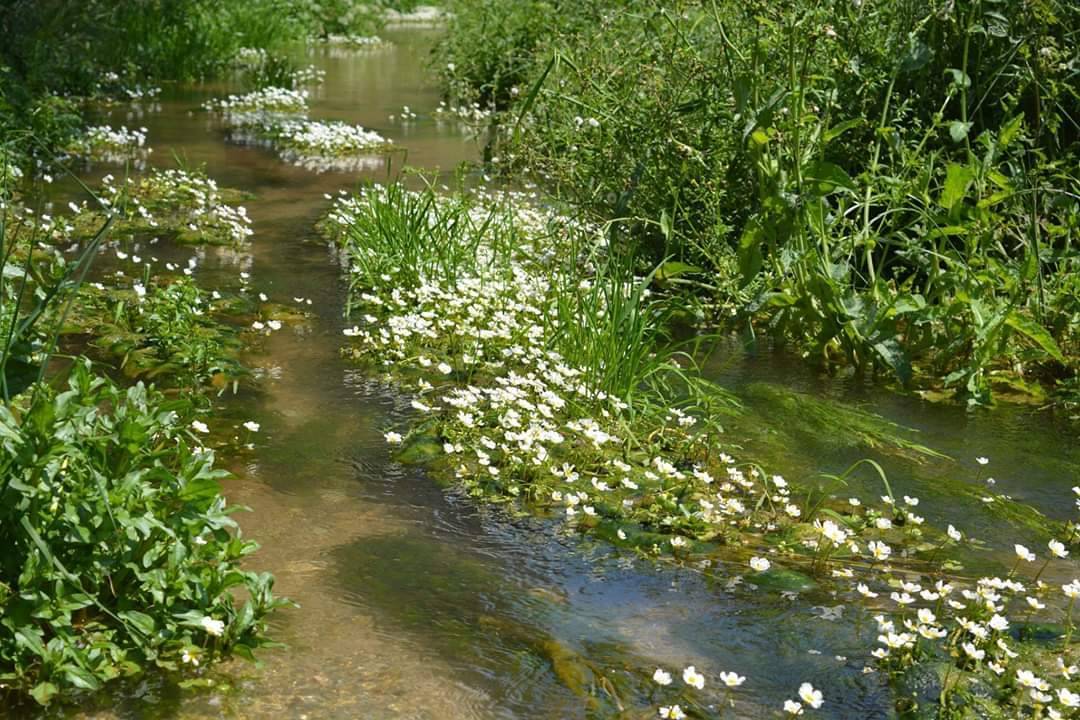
[{"x": 121, "y": 554}]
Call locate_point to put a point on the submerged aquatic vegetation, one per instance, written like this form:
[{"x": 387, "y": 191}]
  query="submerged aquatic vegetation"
[
  {"x": 487, "y": 316},
  {"x": 167, "y": 331},
  {"x": 360, "y": 42},
  {"x": 187, "y": 203},
  {"x": 272, "y": 99}
]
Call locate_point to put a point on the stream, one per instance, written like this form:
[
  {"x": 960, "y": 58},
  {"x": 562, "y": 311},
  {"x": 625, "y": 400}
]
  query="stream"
[{"x": 415, "y": 602}]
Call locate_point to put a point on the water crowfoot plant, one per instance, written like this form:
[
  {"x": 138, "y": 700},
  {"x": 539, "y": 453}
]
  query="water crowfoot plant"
[
  {"x": 111, "y": 145},
  {"x": 541, "y": 382}
]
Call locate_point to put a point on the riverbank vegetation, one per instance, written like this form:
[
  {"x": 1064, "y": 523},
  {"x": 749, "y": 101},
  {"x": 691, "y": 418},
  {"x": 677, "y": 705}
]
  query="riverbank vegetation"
[
  {"x": 890, "y": 187},
  {"x": 545, "y": 381},
  {"x": 122, "y": 557}
]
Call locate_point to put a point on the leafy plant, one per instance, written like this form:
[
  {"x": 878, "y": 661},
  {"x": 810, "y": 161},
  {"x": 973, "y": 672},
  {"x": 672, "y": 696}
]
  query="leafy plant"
[{"x": 121, "y": 554}]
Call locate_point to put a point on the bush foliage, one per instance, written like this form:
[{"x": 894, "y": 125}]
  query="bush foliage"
[{"x": 888, "y": 185}]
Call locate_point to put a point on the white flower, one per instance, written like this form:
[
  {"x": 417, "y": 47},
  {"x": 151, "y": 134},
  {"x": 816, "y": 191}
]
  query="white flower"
[
  {"x": 188, "y": 657},
  {"x": 444, "y": 368},
  {"x": 252, "y": 426},
  {"x": 674, "y": 712},
  {"x": 1057, "y": 549},
  {"x": 810, "y": 696},
  {"x": 999, "y": 623},
  {"x": 792, "y": 708},
  {"x": 621, "y": 534},
  {"x": 731, "y": 679},
  {"x": 693, "y": 678},
  {"x": 954, "y": 533},
  {"x": 393, "y": 438},
  {"x": 759, "y": 564},
  {"x": 661, "y": 677},
  {"x": 982, "y": 460},
  {"x": 973, "y": 652},
  {"x": 212, "y": 626},
  {"x": 1028, "y": 679},
  {"x": 879, "y": 550},
  {"x": 678, "y": 541},
  {"x": 1068, "y": 698},
  {"x": 1072, "y": 590},
  {"x": 1023, "y": 553},
  {"x": 831, "y": 531},
  {"x": 199, "y": 426}
]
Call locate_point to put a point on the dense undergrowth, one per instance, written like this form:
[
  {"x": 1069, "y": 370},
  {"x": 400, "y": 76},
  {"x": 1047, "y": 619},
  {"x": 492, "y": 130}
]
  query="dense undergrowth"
[
  {"x": 121, "y": 556},
  {"x": 545, "y": 381},
  {"x": 890, "y": 186}
]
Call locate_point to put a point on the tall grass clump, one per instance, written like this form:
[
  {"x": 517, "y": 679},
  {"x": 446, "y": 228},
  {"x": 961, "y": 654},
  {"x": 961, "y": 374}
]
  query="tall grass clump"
[{"x": 889, "y": 186}]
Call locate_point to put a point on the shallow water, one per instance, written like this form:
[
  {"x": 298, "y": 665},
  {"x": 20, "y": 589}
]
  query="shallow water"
[{"x": 415, "y": 603}]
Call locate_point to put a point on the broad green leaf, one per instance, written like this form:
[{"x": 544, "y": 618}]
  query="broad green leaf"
[
  {"x": 1036, "y": 333},
  {"x": 840, "y": 128},
  {"x": 827, "y": 177},
  {"x": 750, "y": 255},
  {"x": 44, "y": 692},
  {"x": 892, "y": 354},
  {"x": 957, "y": 179},
  {"x": 81, "y": 677}
]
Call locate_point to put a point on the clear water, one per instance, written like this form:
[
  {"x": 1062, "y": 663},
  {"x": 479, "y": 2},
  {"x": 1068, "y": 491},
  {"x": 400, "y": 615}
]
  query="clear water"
[{"x": 415, "y": 603}]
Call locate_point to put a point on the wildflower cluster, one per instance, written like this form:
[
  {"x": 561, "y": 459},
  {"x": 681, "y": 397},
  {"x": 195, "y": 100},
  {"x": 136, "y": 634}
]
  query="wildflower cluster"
[
  {"x": 268, "y": 99},
  {"x": 187, "y": 203},
  {"x": 474, "y": 320},
  {"x": 316, "y": 145},
  {"x": 107, "y": 144},
  {"x": 360, "y": 42}
]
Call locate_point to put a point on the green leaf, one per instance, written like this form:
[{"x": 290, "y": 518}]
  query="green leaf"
[
  {"x": 750, "y": 256},
  {"x": 957, "y": 180},
  {"x": 893, "y": 355},
  {"x": 44, "y": 692},
  {"x": 958, "y": 131},
  {"x": 530, "y": 98},
  {"x": 916, "y": 57},
  {"x": 674, "y": 269},
  {"x": 827, "y": 177},
  {"x": 665, "y": 224},
  {"x": 1036, "y": 333},
  {"x": 960, "y": 78},
  {"x": 1010, "y": 131},
  {"x": 81, "y": 677},
  {"x": 840, "y": 128},
  {"x": 141, "y": 621}
]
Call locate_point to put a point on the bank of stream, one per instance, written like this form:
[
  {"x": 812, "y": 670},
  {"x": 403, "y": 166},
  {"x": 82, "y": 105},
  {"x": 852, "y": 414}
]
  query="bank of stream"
[{"x": 417, "y": 603}]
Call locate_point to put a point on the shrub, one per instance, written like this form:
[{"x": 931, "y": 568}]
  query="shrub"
[
  {"x": 890, "y": 185},
  {"x": 121, "y": 556}
]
